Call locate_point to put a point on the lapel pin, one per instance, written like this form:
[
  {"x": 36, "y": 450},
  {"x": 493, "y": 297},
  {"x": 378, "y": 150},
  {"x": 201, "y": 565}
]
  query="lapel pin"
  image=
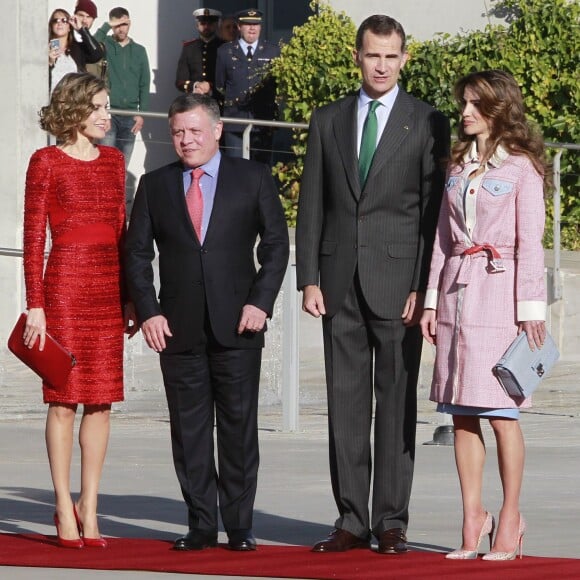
[{"x": 406, "y": 127}]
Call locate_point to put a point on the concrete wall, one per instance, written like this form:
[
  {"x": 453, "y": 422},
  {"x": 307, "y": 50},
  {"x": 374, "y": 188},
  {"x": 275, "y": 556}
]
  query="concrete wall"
[
  {"x": 25, "y": 75},
  {"x": 424, "y": 18},
  {"x": 160, "y": 26},
  {"x": 564, "y": 314}
]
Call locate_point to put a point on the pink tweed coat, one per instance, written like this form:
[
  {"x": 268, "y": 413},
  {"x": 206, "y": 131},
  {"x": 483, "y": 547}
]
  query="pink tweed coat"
[{"x": 478, "y": 309}]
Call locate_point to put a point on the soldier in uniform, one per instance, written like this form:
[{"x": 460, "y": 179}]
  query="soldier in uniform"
[
  {"x": 196, "y": 66},
  {"x": 228, "y": 29},
  {"x": 249, "y": 91}
]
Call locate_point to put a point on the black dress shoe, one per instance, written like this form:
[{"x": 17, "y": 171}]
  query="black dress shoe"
[
  {"x": 393, "y": 541},
  {"x": 241, "y": 540},
  {"x": 196, "y": 540},
  {"x": 341, "y": 541}
]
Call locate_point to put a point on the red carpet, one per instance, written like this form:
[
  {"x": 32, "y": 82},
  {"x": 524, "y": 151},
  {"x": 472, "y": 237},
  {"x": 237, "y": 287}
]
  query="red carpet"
[{"x": 277, "y": 561}]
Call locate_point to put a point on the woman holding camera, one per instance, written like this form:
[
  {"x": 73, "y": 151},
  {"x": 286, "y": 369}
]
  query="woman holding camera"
[{"x": 66, "y": 54}]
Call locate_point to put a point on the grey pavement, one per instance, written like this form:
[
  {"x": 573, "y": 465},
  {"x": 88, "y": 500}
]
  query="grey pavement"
[{"x": 140, "y": 497}]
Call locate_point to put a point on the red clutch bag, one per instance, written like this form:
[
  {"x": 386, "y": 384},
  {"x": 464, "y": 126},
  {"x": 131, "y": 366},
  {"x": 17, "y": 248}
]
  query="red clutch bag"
[{"x": 53, "y": 364}]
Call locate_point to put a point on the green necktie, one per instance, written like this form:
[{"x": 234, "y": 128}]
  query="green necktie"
[{"x": 368, "y": 142}]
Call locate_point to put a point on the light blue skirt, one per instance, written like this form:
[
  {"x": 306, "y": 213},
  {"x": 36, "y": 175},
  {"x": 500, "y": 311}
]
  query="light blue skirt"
[{"x": 477, "y": 411}]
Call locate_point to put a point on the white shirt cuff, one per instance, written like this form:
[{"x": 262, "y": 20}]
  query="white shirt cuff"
[
  {"x": 531, "y": 310},
  {"x": 431, "y": 297}
]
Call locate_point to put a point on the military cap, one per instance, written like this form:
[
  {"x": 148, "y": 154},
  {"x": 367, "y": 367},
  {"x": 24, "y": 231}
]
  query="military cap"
[
  {"x": 249, "y": 16},
  {"x": 207, "y": 14}
]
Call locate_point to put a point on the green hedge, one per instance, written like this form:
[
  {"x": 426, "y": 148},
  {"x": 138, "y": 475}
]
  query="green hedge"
[
  {"x": 539, "y": 45},
  {"x": 315, "y": 68}
]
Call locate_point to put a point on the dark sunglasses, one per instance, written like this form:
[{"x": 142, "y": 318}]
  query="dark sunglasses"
[{"x": 57, "y": 20}]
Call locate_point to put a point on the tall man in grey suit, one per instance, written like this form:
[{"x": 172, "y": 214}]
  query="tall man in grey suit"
[
  {"x": 204, "y": 213},
  {"x": 366, "y": 224}
]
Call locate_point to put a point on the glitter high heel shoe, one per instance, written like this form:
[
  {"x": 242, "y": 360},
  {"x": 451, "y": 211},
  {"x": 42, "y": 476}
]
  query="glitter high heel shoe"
[
  {"x": 486, "y": 529},
  {"x": 88, "y": 542},
  {"x": 501, "y": 556},
  {"x": 75, "y": 544}
]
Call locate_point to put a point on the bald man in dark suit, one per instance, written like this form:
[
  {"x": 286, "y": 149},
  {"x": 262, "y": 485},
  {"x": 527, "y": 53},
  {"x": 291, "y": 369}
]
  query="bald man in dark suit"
[{"x": 369, "y": 200}]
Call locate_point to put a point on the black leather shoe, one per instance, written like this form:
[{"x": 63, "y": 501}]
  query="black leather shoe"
[
  {"x": 241, "y": 540},
  {"x": 196, "y": 540},
  {"x": 393, "y": 541},
  {"x": 340, "y": 541}
]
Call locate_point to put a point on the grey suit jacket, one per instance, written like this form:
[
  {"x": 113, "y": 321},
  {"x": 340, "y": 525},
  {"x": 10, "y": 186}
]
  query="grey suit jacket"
[{"x": 385, "y": 230}]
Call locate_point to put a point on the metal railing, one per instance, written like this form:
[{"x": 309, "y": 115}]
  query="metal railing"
[
  {"x": 249, "y": 124},
  {"x": 290, "y": 315},
  {"x": 556, "y": 204},
  {"x": 556, "y": 196}
]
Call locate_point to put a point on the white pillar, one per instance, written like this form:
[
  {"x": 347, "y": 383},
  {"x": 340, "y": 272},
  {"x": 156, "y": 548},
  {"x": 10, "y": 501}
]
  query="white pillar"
[
  {"x": 24, "y": 73},
  {"x": 290, "y": 363}
]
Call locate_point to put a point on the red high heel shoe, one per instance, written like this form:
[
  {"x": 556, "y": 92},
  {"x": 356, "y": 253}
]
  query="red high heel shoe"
[
  {"x": 88, "y": 542},
  {"x": 76, "y": 544}
]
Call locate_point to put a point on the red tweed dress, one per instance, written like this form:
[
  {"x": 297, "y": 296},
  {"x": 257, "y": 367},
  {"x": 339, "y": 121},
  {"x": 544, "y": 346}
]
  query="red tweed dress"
[{"x": 80, "y": 288}]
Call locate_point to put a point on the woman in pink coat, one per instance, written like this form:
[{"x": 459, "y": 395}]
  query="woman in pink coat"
[{"x": 486, "y": 285}]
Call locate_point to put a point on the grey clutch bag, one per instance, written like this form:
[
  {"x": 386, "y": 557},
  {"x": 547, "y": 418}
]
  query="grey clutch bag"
[{"x": 520, "y": 369}]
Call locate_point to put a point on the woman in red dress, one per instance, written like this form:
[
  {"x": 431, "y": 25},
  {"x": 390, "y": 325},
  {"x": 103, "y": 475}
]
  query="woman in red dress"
[{"x": 79, "y": 189}]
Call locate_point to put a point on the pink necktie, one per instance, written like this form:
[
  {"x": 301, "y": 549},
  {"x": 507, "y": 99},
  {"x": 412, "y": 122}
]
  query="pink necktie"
[{"x": 194, "y": 201}]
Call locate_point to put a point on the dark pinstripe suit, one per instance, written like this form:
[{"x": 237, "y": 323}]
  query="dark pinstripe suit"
[{"x": 368, "y": 250}]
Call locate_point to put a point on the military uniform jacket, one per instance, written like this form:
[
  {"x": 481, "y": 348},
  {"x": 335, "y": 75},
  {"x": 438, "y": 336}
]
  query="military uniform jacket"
[
  {"x": 197, "y": 63},
  {"x": 248, "y": 89}
]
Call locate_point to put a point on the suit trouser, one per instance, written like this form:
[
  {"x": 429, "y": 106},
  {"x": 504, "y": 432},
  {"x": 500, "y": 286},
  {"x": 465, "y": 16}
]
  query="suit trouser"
[
  {"x": 196, "y": 384},
  {"x": 354, "y": 339}
]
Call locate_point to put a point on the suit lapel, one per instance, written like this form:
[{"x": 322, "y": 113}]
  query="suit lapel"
[
  {"x": 239, "y": 53},
  {"x": 396, "y": 131},
  {"x": 344, "y": 125}
]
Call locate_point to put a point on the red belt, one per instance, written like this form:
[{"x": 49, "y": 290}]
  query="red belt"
[{"x": 494, "y": 259}]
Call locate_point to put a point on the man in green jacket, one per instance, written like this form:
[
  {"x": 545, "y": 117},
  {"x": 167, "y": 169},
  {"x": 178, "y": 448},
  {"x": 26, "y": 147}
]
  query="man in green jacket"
[{"x": 128, "y": 77}]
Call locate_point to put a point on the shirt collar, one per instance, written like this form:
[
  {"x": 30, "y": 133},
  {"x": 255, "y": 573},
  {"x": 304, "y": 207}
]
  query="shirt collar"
[
  {"x": 388, "y": 99},
  {"x": 129, "y": 41},
  {"x": 244, "y": 45},
  {"x": 499, "y": 155},
  {"x": 210, "y": 168}
]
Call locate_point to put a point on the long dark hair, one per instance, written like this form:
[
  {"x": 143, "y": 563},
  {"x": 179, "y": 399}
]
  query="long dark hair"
[
  {"x": 502, "y": 105},
  {"x": 70, "y": 36}
]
